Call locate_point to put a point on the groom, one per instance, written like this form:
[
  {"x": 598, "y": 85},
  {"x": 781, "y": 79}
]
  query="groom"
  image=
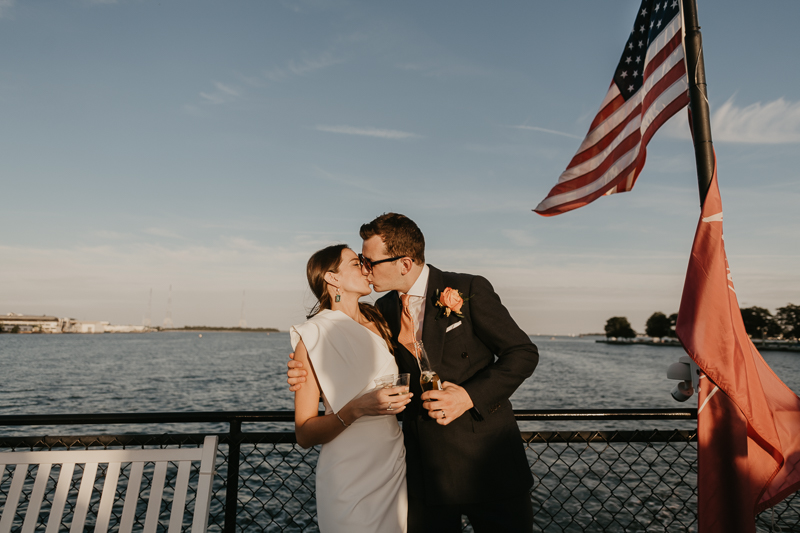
[{"x": 464, "y": 452}]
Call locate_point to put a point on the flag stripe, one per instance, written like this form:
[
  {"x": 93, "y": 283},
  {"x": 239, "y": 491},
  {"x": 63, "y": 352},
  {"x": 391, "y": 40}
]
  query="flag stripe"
[
  {"x": 612, "y": 131},
  {"x": 611, "y": 103},
  {"x": 661, "y": 99},
  {"x": 666, "y": 58},
  {"x": 666, "y": 75},
  {"x": 567, "y": 202},
  {"x": 665, "y": 43},
  {"x": 621, "y": 166},
  {"x": 604, "y": 162},
  {"x": 612, "y": 155},
  {"x": 671, "y": 65},
  {"x": 668, "y": 111}
]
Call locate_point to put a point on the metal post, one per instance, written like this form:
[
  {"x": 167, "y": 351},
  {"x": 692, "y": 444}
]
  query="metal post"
[
  {"x": 698, "y": 98},
  {"x": 232, "y": 483}
]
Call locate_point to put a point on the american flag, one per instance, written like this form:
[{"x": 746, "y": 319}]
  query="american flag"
[{"x": 649, "y": 86}]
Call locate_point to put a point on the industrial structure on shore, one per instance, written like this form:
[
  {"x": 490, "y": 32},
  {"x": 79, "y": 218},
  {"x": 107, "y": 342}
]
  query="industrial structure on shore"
[{"x": 16, "y": 323}]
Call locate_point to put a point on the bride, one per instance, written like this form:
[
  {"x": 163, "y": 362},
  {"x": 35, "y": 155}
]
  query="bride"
[{"x": 361, "y": 472}]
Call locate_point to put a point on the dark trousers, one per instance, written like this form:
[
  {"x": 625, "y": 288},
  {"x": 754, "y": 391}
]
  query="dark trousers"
[{"x": 512, "y": 515}]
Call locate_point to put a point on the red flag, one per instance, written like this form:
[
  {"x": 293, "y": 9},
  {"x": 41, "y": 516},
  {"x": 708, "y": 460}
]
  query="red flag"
[
  {"x": 649, "y": 86},
  {"x": 748, "y": 419}
]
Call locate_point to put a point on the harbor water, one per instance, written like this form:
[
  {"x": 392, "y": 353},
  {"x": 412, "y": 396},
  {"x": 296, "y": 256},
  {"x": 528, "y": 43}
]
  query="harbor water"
[
  {"x": 183, "y": 371},
  {"x": 227, "y": 371}
]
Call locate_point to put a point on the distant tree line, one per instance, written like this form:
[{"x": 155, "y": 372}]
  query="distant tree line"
[{"x": 758, "y": 322}]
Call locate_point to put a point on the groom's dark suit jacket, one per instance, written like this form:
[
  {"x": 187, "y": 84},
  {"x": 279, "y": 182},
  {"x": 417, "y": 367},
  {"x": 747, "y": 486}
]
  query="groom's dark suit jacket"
[{"x": 478, "y": 457}]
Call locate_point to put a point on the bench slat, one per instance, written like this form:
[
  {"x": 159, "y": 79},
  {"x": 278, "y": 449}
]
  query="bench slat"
[
  {"x": 84, "y": 496},
  {"x": 154, "y": 502},
  {"x": 179, "y": 497},
  {"x": 131, "y": 497},
  {"x": 107, "y": 499},
  {"x": 12, "y": 500},
  {"x": 60, "y": 498},
  {"x": 204, "y": 485},
  {"x": 35, "y": 502}
]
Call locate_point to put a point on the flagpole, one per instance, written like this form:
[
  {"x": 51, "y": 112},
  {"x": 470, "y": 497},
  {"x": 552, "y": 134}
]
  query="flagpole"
[
  {"x": 729, "y": 429},
  {"x": 698, "y": 97}
]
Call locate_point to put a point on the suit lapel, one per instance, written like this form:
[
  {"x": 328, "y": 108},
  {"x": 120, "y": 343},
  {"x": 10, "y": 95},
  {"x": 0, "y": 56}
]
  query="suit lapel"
[
  {"x": 433, "y": 330},
  {"x": 391, "y": 313}
]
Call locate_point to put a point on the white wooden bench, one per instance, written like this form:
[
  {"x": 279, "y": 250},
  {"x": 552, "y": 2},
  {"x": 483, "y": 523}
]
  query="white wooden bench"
[{"x": 115, "y": 459}]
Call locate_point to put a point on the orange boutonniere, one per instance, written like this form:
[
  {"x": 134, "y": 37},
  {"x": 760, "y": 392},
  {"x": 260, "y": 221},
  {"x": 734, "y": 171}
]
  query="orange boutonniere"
[{"x": 450, "y": 300}]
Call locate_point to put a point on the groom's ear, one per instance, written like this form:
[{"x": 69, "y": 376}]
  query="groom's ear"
[{"x": 406, "y": 264}]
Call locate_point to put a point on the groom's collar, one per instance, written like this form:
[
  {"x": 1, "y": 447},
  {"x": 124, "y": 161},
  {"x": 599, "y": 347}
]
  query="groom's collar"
[{"x": 420, "y": 287}]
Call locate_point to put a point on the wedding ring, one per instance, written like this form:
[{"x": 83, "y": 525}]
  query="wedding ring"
[
  {"x": 390, "y": 407},
  {"x": 443, "y": 415}
]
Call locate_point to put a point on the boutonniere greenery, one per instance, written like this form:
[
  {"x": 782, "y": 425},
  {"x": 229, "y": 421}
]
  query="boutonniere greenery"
[{"x": 450, "y": 300}]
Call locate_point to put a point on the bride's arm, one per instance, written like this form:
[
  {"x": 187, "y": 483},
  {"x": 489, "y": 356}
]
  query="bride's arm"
[{"x": 312, "y": 429}]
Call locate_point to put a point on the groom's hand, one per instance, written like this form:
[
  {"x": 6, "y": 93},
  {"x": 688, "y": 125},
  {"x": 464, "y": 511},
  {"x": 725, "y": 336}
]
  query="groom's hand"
[
  {"x": 447, "y": 404},
  {"x": 296, "y": 375}
]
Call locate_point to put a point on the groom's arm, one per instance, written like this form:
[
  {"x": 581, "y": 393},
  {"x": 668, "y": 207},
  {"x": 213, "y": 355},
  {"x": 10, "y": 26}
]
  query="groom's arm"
[{"x": 517, "y": 356}]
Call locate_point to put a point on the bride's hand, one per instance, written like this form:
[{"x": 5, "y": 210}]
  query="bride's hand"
[{"x": 388, "y": 401}]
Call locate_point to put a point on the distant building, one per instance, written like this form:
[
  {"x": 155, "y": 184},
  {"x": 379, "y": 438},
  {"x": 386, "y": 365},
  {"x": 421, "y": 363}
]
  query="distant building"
[
  {"x": 14, "y": 322},
  {"x": 79, "y": 326},
  {"x": 32, "y": 324}
]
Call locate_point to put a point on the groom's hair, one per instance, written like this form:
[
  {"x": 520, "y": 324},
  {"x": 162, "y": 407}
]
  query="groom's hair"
[{"x": 400, "y": 235}]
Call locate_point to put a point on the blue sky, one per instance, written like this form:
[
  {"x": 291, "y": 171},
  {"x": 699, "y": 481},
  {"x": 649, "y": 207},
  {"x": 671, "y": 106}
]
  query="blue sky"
[{"x": 214, "y": 145}]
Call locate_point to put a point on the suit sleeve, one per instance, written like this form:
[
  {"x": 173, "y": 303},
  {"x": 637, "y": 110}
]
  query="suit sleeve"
[{"x": 517, "y": 356}]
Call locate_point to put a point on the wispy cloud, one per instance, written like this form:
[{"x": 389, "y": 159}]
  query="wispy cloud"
[
  {"x": 349, "y": 181},
  {"x": 545, "y": 130},
  {"x": 776, "y": 122},
  {"x": 302, "y": 67},
  {"x": 368, "y": 132},
  {"x": 222, "y": 93}
]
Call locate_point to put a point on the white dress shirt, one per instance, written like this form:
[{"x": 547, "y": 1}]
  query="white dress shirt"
[{"x": 417, "y": 301}]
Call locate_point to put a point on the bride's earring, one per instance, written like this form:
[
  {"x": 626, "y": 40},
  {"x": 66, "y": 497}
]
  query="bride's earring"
[{"x": 338, "y": 296}]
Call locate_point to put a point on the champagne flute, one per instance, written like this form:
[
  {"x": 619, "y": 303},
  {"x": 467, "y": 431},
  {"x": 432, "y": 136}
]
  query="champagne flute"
[{"x": 428, "y": 378}]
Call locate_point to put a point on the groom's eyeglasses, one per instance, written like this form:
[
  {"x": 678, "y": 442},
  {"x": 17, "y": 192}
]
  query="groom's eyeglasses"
[{"x": 369, "y": 264}]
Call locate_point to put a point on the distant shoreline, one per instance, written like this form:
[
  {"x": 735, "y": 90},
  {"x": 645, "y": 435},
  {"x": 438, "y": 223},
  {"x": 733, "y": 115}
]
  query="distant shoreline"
[
  {"x": 772, "y": 345},
  {"x": 219, "y": 328}
]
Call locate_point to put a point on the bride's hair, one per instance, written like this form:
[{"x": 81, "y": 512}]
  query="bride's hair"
[{"x": 328, "y": 260}]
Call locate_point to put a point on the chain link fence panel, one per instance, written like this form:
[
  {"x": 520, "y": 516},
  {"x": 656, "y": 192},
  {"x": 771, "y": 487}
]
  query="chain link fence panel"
[{"x": 604, "y": 481}]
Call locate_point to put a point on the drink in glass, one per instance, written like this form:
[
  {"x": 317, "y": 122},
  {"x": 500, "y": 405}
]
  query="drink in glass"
[{"x": 428, "y": 378}]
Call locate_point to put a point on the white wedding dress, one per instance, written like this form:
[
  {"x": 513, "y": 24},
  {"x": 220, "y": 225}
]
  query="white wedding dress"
[{"x": 361, "y": 474}]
